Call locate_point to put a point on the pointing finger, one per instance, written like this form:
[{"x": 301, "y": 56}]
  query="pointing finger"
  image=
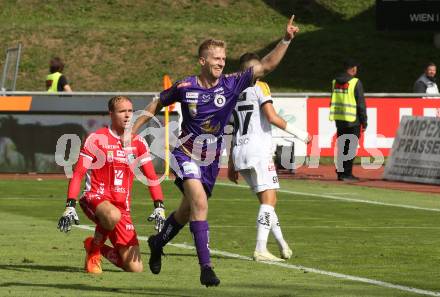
[{"x": 291, "y": 19}]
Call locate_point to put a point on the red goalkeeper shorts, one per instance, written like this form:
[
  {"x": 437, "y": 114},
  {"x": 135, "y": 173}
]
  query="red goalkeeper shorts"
[{"x": 123, "y": 234}]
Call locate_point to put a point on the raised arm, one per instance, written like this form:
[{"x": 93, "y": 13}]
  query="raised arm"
[
  {"x": 272, "y": 59},
  {"x": 152, "y": 109}
]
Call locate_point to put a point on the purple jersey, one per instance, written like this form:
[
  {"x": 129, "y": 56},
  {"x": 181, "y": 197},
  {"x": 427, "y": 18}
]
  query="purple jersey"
[{"x": 206, "y": 111}]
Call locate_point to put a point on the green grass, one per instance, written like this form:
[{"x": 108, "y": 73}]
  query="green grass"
[
  {"x": 118, "y": 45},
  {"x": 387, "y": 243}
]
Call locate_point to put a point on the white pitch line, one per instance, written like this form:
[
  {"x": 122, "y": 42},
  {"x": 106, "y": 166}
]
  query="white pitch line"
[
  {"x": 320, "y": 227},
  {"x": 340, "y": 198},
  {"x": 300, "y": 267}
]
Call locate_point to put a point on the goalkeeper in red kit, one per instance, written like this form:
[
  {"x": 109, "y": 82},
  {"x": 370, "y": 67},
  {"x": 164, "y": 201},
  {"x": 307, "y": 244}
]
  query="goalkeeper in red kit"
[{"x": 109, "y": 167}]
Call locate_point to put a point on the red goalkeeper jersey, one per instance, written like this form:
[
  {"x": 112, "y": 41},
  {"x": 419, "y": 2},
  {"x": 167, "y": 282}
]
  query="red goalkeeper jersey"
[{"x": 110, "y": 168}]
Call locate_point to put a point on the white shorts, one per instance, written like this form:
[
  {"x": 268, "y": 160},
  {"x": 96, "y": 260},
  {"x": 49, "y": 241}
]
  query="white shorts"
[{"x": 261, "y": 177}]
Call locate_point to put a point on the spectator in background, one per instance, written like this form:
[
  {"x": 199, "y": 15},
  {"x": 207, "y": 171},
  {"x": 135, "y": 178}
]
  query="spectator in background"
[
  {"x": 56, "y": 81},
  {"x": 349, "y": 111},
  {"x": 426, "y": 83}
]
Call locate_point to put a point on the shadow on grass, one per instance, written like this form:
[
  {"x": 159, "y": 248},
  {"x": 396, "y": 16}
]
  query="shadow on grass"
[
  {"x": 88, "y": 288},
  {"x": 190, "y": 255},
  {"x": 55, "y": 268},
  {"x": 213, "y": 256}
]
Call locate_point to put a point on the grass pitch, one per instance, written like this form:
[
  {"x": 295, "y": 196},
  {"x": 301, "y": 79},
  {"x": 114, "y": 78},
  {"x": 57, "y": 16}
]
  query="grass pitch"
[
  {"x": 116, "y": 45},
  {"x": 373, "y": 243}
]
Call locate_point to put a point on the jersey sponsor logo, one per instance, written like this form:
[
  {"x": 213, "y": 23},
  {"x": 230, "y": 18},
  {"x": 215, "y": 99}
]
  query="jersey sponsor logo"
[
  {"x": 111, "y": 146},
  {"x": 219, "y": 100},
  {"x": 120, "y": 153},
  {"x": 190, "y": 168},
  {"x": 206, "y": 98},
  {"x": 118, "y": 177},
  {"x": 218, "y": 90},
  {"x": 192, "y": 95},
  {"x": 242, "y": 141},
  {"x": 118, "y": 189}
]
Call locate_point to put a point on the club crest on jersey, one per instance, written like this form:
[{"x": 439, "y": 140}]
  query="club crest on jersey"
[
  {"x": 109, "y": 156},
  {"x": 219, "y": 100},
  {"x": 192, "y": 108}
]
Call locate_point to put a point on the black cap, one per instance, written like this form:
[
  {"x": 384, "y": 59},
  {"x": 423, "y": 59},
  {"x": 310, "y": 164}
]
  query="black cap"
[{"x": 349, "y": 63}]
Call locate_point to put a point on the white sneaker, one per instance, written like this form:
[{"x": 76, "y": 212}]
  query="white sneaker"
[
  {"x": 286, "y": 253},
  {"x": 266, "y": 256}
]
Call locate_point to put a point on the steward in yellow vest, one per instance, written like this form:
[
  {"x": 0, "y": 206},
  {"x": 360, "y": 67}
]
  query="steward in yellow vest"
[
  {"x": 348, "y": 110},
  {"x": 343, "y": 104},
  {"x": 56, "y": 81}
]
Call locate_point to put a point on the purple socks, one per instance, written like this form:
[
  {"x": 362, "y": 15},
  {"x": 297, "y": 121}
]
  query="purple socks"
[{"x": 200, "y": 231}]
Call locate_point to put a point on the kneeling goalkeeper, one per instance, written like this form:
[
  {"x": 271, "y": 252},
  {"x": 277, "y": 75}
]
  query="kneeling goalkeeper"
[{"x": 109, "y": 167}]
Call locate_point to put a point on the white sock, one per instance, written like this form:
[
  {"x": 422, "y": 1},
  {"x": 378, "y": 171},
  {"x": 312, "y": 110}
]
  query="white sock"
[
  {"x": 264, "y": 223},
  {"x": 276, "y": 231}
]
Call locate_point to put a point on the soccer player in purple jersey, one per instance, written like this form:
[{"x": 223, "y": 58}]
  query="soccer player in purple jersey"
[{"x": 207, "y": 101}]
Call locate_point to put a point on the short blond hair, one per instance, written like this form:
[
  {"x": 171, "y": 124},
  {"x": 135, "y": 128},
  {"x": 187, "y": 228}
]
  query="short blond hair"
[
  {"x": 210, "y": 43},
  {"x": 112, "y": 102}
]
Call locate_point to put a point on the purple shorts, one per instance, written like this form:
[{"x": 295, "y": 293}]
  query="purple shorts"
[{"x": 185, "y": 168}]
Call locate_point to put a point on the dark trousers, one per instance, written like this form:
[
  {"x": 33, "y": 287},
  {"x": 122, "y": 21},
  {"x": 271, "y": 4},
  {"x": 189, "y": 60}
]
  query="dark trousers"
[{"x": 348, "y": 141}]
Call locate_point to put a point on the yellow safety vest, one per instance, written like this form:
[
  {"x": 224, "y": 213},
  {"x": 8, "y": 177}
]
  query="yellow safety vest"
[
  {"x": 343, "y": 104},
  {"x": 54, "y": 78}
]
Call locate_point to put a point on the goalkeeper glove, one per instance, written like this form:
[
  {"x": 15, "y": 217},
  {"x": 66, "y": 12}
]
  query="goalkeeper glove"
[
  {"x": 69, "y": 216},
  {"x": 158, "y": 215}
]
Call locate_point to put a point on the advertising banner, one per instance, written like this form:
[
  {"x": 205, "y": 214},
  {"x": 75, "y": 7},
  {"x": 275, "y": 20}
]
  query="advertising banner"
[
  {"x": 384, "y": 115},
  {"x": 415, "y": 156},
  {"x": 408, "y": 15},
  {"x": 294, "y": 111},
  {"x": 28, "y": 142}
]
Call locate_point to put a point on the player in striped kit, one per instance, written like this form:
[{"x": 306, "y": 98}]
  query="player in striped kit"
[{"x": 251, "y": 155}]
